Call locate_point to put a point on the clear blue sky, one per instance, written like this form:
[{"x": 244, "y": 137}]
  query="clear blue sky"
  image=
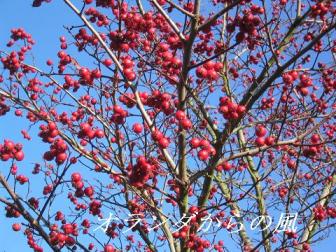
[{"x": 45, "y": 25}]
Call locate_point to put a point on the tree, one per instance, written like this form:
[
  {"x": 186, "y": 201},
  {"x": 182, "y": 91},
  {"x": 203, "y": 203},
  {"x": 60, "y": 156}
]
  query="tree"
[{"x": 191, "y": 126}]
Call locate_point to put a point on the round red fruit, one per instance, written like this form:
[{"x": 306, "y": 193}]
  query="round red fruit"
[
  {"x": 61, "y": 157},
  {"x": 75, "y": 177},
  {"x": 108, "y": 248},
  {"x": 89, "y": 191},
  {"x": 163, "y": 142},
  {"x": 195, "y": 142},
  {"x": 19, "y": 156},
  {"x": 260, "y": 141},
  {"x": 107, "y": 62},
  {"x": 203, "y": 155},
  {"x": 180, "y": 115},
  {"x": 260, "y": 131},
  {"x": 16, "y": 227},
  {"x": 99, "y": 133},
  {"x": 137, "y": 128}
]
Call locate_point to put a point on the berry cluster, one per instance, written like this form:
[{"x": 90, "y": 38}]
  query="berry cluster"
[
  {"x": 12, "y": 212},
  {"x": 69, "y": 82},
  {"x": 11, "y": 62},
  {"x": 20, "y": 34},
  {"x": 10, "y": 150},
  {"x": 171, "y": 65},
  {"x": 76, "y": 181},
  {"x": 314, "y": 147},
  {"x": 184, "y": 122},
  {"x": 119, "y": 115},
  {"x": 129, "y": 100},
  {"x": 261, "y": 140},
  {"x": 229, "y": 109},
  {"x": 282, "y": 191},
  {"x": 331, "y": 212},
  {"x": 136, "y": 22},
  {"x": 160, "y": 101},
  {"x": 83, "y": 38},
  {"x": 87, "y": 77},
  {"x": 34, "y": 86},
  {"x": 34, "y": 202},
  {"x": 48, "y": 132},
  {"x": 96, "y": 16},
  {"x": 157, "y": 100},
  {"x": 207, "y": 149},
  {"x": 289, "y": 77},
  {"x": 103, "y": 3},
  {"x": 321, "y": 9},
  {"x": 128, "y": 71},
  {"x": 176, "y": 187},
  {"x": 21, "y": 179},
  {"x": 320, "y": 213},
  {"x": 209, "y": 70},
  {"x": 248, "y": 25},
  {"x": 305, "y": 82},
  {"x": 204, "y": 45},
  {"x": 30, "y": 238},
  {"x": 224, "y": 166},
  {"x": 3, "y": 107},
  {"x": 64, "y": 60},
  {"x": 61, "y": 239},
  {"x": 329, "y": 81},
  {"x": 122, "y": 41},
  {"x": 94, "y": 207},
  {"x": 47, "y": 189},
  {"x": 74, "y": 200},
  {"x": 63, "y": 43},
  {"x": 57, "y": 150},
  {"x": 160, "y": 139},
  {"x": 86, "y": 131},
  {"x": 267, "y": 103}
]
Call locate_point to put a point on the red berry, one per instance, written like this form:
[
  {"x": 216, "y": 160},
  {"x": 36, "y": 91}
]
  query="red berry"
[
  {"x": 260, "y": 141},
  {"x": 99, "y": 133},
  {"x": 75, "y": 177},
  {"x": 19, "y": 156},
  {"x": 16, "y": 227},
  {"x": 180, "y": 115},
  {"x": 108, "y": 248},
  {"x": 201, "y": 72},
  {"x": 18, "y": 112},
  {"x": 68, "y": 228},
  {"x": 85, "y": 127},
  {"x": 186, "y": 124},
  {"x": 129, "y": 74},
  {"x": 203, "y": 155},
  {"x": 269, "y": 140},
  {"x": 164, "y": 143},
  {"x": 261, "y": 131},
  {"x": 137, "y": 128},
  {"x": 227, "y": 166},
  {"x": 89, "y": 191},
  {"x": 195, "y": 142},
  {"x": 107, "y": 62},
  {"x": 61, "y": 158}
]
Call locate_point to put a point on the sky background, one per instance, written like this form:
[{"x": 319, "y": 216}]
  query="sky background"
[{"x": 46, "y": 26}]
